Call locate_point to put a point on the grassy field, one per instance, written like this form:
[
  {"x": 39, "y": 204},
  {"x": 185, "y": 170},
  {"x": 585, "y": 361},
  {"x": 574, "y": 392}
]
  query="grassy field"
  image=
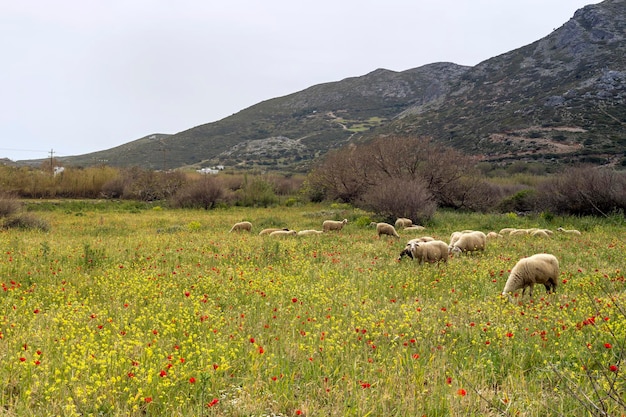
[{"x": 121, "y": 310}]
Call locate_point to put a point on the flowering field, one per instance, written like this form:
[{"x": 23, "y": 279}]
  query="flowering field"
[{"x": 164, "y": 312}]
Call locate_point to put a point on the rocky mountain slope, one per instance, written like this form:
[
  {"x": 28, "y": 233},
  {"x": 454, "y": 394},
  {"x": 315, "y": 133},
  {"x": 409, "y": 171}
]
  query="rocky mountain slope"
[{"x": 559, "y": 98}]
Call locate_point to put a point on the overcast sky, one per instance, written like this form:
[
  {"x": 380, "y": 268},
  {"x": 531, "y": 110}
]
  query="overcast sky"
[{"x": 79, "y": 76}]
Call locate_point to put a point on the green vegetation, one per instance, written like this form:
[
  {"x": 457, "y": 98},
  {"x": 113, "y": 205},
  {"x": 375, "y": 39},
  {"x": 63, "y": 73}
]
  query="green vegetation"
[{"x": 163, "y": 312}]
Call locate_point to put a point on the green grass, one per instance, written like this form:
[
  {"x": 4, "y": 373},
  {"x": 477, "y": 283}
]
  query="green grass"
[{"x": 163, "y": 312}]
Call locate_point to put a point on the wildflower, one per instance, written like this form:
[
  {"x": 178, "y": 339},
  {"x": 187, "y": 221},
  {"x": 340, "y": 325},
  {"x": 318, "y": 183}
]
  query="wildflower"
[
  {"x": 192, "y": 380},
  {"x": 294, "y": 300},
  {"x": 22, "y": 359},
  {"x": 461, "y": 392},
  {"x": 261, "y": 350},
  {"x": 298, "y": 412},
  {"x": 213, "y": 402},
  {"x": 162, "y": 374},
  {"x": 509, "y": 334},
  {"x": 613, "y": 368},
  {"x": 148, "y": 400},
  {"x": 416, "y": 356},
  {"x": 608, "y": 345},
  {"x": 252, "y": 340}
]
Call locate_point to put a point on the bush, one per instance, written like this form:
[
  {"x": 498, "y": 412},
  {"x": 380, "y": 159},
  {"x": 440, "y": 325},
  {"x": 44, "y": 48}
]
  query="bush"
[
  {"x": 25, "y": 221},
  {"x": 205, "y": 193},
  {"x": 584, "y": 191},
  {"x": 9, "y": 205},
  {"x": 395, "y": 198}
]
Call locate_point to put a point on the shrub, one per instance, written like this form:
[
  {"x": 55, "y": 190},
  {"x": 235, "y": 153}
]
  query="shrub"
[
  {"x": 9, "y": 205},
  {"x": 584, "y": 191},
  {"x": 25, "y": 221},
  {"x": 205, "y": 193},
  {"x": 395, "y": 198}
]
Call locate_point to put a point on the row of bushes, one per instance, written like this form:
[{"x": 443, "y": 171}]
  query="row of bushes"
[{"x": 392, "y": 177}]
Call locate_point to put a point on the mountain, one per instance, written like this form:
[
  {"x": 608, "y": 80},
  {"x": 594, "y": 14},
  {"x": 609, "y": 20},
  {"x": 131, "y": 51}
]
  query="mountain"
[{"x": 559, "y": 98}]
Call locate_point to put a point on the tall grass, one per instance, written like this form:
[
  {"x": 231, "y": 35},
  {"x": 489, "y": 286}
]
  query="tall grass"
[{"x": 163, "y": 312}]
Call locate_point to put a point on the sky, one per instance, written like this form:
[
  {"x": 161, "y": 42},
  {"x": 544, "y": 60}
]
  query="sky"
[{"x": 79, "y": 76}]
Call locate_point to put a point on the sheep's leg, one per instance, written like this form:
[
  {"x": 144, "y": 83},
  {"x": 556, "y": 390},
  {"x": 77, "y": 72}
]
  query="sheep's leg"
[{"x": 530, "y": 291}]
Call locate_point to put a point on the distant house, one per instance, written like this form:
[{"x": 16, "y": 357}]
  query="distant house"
[{"x": 208, "y": 171}]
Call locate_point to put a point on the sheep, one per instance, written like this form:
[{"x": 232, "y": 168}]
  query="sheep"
[
  {"x": 540, "y": 233},
  {"x": 469, "y": 242},
  {"x": 542, "y": 268},
  {"x": 309, "y": 232},
  {"x": 403, "y": 222},
  {"x": 413, "y": 228},
  {"x": 433, "y": 251},
  {"x": 241, "y": 226},
  {"x": 569, "y": 231},
  {"x": 386, "y": 229},
  {"x": 506, "y": 230},
  {"x": 518, "y": 232},
  {"x": 270, "y": 230},
  {"x": 421, "y": 239},
  {"x": 283, "y": 233},
  {"x": 456, "y": 235},
  {"x": 330, "y": 225},
  {"x": 493, "y": 235}
]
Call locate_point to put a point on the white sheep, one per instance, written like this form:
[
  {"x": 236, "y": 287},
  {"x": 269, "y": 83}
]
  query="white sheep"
[
  {"x": 241, "y": 226},
  {"x": 432, "y": 251},
  {"x": 283, "y": 233},
  {"x": 506, "y": 230},
  {"x": 493, "y": 235},
  {"x": 540, "y": 233},
  {"x": 469, "y": 242},
  {"x": 329, "y": 225},
  {"x": 271, "y": 229},
  {"x": 542, "y": 268},
  {"x": 413, "y": 228},
  {"x": 386, "y": 229},
  {"x": 421, "y": 239},
  {"x": 456, "y": 235},
  {"x": 309, "y": 232},
  {"x": 569, "y": 231},
  {"x": 403, "y": 222}
]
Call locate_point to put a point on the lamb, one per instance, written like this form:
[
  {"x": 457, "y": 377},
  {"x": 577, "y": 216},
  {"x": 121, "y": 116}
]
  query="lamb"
[
  {"x": 433, "y": 251},
  {"x": 271, "y": 229},
  {"x": 542, "y": 268},
  {"x": 241, "y": 227},
  {"x": 403, "y": 222},
  {"x": 386, "y": 229},
  {"x": 493, "y": 235},
  {"x": 456, "y": 235},
  {"x": 309, "y": 232},
  {"x": 469, "y": 242},
  {"x": 569, "y": 231},
  {"x": 330, "y": 225},
  {"x": 283, "y": 233}
]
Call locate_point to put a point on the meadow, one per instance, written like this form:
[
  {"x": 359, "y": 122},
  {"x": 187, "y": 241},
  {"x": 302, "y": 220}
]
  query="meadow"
[{"x": 118, "y": 311}]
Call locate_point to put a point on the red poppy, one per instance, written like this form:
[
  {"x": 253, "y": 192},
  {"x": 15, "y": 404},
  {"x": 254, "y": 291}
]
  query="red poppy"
[
  {"x": 461, "y": 392},
  {"x": 192, "y": 380},
  {"x": 213, "y": 402},
  {"x": 162, "y": 373},
  {"x": 294, "y": 300},
  {"x": 613, "y": 368},
  {"x": 148, "y": 400},
  {"x": 608, "y": 345}
]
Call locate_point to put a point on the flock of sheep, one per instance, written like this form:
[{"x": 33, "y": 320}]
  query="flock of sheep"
[{"x": 541, "y": 268}]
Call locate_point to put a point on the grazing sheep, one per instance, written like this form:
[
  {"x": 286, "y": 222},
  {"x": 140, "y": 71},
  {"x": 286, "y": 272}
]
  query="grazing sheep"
[
  {"x": 540, "y": 233},
  {"x": 421, "y": 239},
  {"x": 241, "y": 226},
  {"x": 270, "y": 230},
  {"x": 402, "y": 223},
  {"x": 330, "y": 225},
  {"x": 309, "y": 232},
  {"x": 433, "y": 251},
  {"x": 518, "y": 232},
  {"x": 456, "y": 235},
  {"x": 569, "y": 231},
  {"x": 413, "y": 228},
  {"x": 506, "y": 230},
  {"x": 386, "y": 229},
  {"x": 541, "y": 268},
  {"x": 493, "y": 235},
  {"x": 469, "y": 242},
  {"x": 283, "y": 233}
]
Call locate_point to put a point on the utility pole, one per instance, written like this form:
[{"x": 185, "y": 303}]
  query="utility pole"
[{"x": 51, "y": 160}]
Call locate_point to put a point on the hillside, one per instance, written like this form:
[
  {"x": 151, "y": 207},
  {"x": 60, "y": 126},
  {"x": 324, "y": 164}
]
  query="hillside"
[{"x": 559, "y": 98}]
